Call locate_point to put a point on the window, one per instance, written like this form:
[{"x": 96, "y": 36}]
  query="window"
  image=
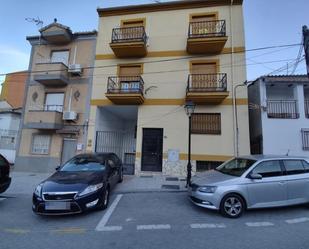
[
  {"x": 54, "y": 102},
  {"x": 306, "y": 166},
  {"x": 40, "y": 144},
  {"x": 305, "y": 138},
  {"x": 60, "y": 56},
  {"x": 206, "y": 165},
  {"x": 294, "y": 167},
  {"x": 206, "y": 123},
  {"x": 268, "y": 169}
]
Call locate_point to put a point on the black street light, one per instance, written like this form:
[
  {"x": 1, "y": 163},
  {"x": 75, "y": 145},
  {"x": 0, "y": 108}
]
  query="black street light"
[{"x": 190, "y": 106}]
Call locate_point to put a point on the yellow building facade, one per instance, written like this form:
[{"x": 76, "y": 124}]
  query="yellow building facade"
[{"x": 152, "y": 59}]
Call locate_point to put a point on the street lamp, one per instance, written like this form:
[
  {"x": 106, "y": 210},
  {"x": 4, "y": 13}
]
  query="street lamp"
[{"x": 190, "y": 106}]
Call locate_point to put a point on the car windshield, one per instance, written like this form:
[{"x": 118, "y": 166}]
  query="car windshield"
[
  {"x": 84, "y": 164},
  {"x": 236, "y": 166}
]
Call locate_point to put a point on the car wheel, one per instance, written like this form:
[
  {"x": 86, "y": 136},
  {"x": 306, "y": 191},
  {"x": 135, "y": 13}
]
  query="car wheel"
[
  {"x": 120, "y": 173},
  {"x": 105, "y": 199},
  {"x": 232, "y": 206}
]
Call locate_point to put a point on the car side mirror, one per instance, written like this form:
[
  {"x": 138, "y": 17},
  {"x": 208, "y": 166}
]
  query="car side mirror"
[
  {"x": 57, "y": 168},
  {"x": 255, "y": 176}
]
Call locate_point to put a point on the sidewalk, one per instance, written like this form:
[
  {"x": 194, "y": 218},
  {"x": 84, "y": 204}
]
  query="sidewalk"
[{"x": 25, "y": 183}]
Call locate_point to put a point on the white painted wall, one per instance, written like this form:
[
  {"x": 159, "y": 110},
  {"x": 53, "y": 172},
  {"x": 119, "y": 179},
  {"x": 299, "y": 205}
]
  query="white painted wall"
[
  {"x": 282, "y": 136},
  {"x": 9, "y": 124}
]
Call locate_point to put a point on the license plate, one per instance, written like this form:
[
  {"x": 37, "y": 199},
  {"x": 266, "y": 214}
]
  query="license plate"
[{"x": 57, "y": 205}]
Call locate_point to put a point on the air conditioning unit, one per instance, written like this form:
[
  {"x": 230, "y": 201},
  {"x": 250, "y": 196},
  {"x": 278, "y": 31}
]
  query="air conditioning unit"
[
  {"x": 70, "y": 116},
  {"x": 75, "y": 69}
]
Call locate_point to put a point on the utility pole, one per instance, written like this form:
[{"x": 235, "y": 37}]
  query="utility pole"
[{"x": 306, "y": 46}]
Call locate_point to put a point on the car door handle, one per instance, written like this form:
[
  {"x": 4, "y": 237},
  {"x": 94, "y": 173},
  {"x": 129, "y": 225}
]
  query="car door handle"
[{"x": 282, "y": 182}]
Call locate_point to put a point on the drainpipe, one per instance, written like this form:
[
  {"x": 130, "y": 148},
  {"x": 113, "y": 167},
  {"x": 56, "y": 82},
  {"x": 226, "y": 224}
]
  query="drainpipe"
[{"x": 232, "y": 78}]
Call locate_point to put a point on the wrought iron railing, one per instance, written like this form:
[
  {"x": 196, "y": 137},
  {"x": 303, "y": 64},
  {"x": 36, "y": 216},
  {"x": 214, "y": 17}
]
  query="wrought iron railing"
[
  {"x": 282, "y": 109},
  {"x": 207, "y": 29},
  {"x": 207, "y": 82},
  {"x": 307, "y": 108},
  {"x": 125, "y": 84},
  {"x": 130, "y": 34},
  {"x": 47, "y": 108}
]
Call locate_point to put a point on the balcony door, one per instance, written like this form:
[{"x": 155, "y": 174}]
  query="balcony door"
[
  {"x": 204, "y": 75},
  {"x": 129, "y": 77},
  {"x": 203, "y": 24},
  {"x": 132, "y": 29},
  {"x": 54, "y": 102}
]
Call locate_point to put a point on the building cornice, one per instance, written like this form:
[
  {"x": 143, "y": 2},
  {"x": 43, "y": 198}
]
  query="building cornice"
[{"x": 167, "y": 6}]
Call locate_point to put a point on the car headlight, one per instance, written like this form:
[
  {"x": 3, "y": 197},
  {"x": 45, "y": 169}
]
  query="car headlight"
[
  {"x": 91, "y": 189},
  {"x": 38, "y": 190},
  {"x": 207, "y": 189}
]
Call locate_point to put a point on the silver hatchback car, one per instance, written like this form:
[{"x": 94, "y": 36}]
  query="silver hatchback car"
[{"x": 252, "y": 182}]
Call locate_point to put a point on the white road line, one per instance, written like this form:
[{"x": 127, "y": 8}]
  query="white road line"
[
  {"x": 107, "y": 215},
  {"x": 259, "y": 224},
  {"x": 111, "y": 228},
  {"x": 153, "y": 227},
  {"x": 207, "y": 225},
  {"x": 297, "y": 220}
]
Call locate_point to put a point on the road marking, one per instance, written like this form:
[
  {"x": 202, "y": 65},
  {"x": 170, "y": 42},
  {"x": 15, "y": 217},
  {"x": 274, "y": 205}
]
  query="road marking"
[
  {"x": 259, "y": 224},
  {"x": 207, "y": 225},
  {"x": 111, "y": 228},
  {"x": 297, "y": 220},
  {"x": 107, "y": 215},
  {"x": 153, "y": 227},
  {"x": 16, "y": 231},
  {"x": 72, "y": 230}
]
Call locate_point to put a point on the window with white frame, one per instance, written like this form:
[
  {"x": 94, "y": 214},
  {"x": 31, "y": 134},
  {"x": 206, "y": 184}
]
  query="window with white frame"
[{"x": 40, "y": 144}]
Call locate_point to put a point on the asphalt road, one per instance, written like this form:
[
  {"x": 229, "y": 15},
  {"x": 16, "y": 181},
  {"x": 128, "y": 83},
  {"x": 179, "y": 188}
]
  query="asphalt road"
[{"x": 151, "y": 220}]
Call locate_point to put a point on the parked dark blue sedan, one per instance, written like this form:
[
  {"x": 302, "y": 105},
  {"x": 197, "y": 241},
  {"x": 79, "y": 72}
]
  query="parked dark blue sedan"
[{"x": 83, "y": 183}]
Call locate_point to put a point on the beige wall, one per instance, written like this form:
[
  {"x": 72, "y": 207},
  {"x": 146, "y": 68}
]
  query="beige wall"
[{"x": 167, "y": 30}]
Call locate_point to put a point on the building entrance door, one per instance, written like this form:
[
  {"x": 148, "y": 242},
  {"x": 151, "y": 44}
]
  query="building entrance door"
[
  {"x": 152, "y": 149},
  {"x": 68, "y": 149}
]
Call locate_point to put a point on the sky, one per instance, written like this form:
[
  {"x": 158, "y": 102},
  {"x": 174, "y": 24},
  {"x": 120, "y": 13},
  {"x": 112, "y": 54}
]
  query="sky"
[{"x": 267, "y": 23}]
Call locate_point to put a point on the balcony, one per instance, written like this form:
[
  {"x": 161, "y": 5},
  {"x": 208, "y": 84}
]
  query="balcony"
[
  {"x": 129, "y": 42},
  {"x": 48, "y": 119},
  {"x": 283, "y": 109},
  {"x": 51, "y": 74},
  {"x": 125, "y": 90},
  {"x": 207, "y": 37},
  {"x": 207, "y": 88},
  {"x": 307, "y": 108}
]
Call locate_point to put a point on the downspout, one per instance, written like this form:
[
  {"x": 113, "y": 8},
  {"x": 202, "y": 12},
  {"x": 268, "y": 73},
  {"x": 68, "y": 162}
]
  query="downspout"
[{"x": 232, "y": 81}]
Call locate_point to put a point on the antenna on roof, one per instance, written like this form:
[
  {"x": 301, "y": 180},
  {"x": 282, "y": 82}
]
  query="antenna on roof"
[{"x": 38, "y": 22}]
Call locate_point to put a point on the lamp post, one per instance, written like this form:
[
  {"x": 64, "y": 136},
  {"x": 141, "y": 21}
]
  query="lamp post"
[{"x": 190, "y": 106}]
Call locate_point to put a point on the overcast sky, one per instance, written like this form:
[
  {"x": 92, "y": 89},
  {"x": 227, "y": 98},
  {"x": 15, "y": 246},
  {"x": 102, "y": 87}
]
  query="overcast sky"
[{"x": 267, "y": 23}]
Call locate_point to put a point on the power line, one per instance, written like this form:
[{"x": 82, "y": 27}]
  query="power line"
[{"x": 169, "y": 60}]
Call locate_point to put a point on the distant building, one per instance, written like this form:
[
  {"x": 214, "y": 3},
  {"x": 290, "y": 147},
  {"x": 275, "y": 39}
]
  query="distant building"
[
  {"x": 56, "y": 113},
  {"x": 150, "y": 60},
  {"x": 13, "y": 88},
  {"x": 279, "y": 115},
  {"x": 9, "y": 127}
]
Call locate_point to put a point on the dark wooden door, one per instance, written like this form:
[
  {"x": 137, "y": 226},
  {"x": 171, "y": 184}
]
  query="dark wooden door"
[{"x": 152, "y": 149}]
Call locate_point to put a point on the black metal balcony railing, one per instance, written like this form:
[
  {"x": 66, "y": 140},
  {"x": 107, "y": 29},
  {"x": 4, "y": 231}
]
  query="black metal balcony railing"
[
  {"x": 282, "y": 109},
  {"x": 130, "y": 34},
  {"x": 207, "y": 82},
  {"x": 207, "y": 29},
  {"x": 125, "y": 84},
  {"x": 307, "y": 108}
]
